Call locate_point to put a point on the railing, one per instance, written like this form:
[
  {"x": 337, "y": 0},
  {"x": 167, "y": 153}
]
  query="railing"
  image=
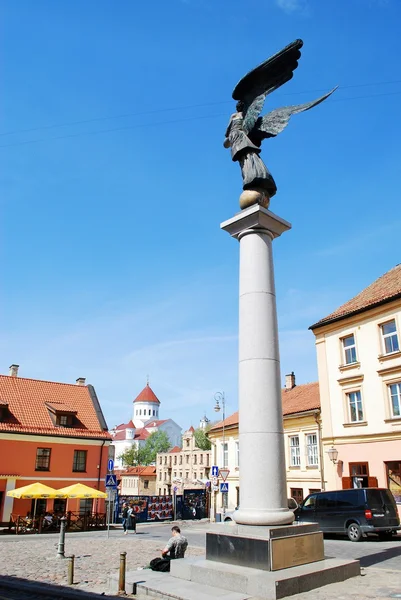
[{"x": 43, "y": 524}]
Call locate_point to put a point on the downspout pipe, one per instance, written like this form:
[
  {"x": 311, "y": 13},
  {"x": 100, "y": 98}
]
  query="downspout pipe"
[{"x": 319, "y": 435}]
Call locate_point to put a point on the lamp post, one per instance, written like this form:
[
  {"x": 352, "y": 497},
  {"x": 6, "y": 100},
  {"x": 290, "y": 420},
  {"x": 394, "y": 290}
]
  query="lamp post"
[{"x": 220, "y": 399}]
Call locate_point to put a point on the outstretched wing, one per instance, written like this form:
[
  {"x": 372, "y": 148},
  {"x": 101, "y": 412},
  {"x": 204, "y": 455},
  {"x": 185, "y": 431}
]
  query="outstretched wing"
[
  {"x": 264, "y": 79},
  {"x": 273, "y": 123}
]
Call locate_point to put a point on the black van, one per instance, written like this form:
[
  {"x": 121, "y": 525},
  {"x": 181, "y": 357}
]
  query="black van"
[{"x": 355, "y": 512}]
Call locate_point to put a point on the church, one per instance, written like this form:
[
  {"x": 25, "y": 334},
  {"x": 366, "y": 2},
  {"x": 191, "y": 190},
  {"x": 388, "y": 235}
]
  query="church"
[{"x": 145, "y": 420}]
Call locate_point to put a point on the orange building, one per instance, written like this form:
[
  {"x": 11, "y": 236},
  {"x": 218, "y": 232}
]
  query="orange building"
[{"x": 50, "y": 432}]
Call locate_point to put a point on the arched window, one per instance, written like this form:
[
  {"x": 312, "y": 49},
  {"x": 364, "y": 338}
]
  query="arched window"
[
  {"x": 140, "y": 411},
  {"x": 150, "y": 412}
]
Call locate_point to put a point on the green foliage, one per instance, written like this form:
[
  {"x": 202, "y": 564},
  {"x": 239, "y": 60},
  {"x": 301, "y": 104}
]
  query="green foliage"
[
  {"x": 201, "y": 439},
  {"x": 145, "y": 455},
  {"x": 157, "y": 442}
]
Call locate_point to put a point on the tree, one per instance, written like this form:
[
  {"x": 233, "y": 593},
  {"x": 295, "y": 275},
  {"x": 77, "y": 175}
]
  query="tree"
[
  {"x": 133, "y": 457},
  {"x": 158, "y": 441},
  {"x": 201, "y": 439}
]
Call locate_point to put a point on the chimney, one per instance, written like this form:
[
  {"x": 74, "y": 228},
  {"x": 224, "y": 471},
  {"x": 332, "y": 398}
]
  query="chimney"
[
  {"x": 14, "y": 370},
  {"x": 81, "y": 380},
  {"x": 290, "y": 381}
]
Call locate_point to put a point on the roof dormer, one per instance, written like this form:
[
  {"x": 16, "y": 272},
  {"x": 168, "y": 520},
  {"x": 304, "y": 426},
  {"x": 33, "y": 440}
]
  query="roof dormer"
[{"x": 61, "y": 414}]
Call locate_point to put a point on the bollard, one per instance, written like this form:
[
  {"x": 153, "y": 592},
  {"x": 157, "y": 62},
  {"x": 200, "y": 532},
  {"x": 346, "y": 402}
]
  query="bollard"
[
  {"x": 70, "y": 575},
  {"x": 121, "y": 579},
  {"x": 61, "y": 539}
]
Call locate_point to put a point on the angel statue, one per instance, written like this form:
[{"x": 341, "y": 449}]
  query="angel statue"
[{"x": 246, "y": 129}]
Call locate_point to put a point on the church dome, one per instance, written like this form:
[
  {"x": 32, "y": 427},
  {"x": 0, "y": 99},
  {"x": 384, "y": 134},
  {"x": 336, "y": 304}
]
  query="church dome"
[{"x": 147, "y": 395}]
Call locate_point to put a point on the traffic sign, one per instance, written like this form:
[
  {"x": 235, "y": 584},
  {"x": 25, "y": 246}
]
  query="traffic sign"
[
  {"x": 111, "y": 480},
  {"x": 215, "y": 471},
  {"x": 110, "y": 464},
  {"x": 215, "y": 481},
  {"x": 224, "y": 487},
  {"x": 224, "y": 473},
  {"x": 175, "y": 489}
]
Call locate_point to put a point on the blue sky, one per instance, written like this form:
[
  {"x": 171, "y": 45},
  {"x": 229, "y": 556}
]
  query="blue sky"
[{"x": 114, "y": 182}]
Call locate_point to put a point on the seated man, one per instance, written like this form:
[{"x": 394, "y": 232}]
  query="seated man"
[{"x": 176, "y": 546}]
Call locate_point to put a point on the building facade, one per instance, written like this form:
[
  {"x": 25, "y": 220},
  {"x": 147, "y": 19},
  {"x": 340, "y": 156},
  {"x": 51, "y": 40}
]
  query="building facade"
[
  {"x": 359, "y": 364},
  {"x": 183, "y": 468},
  {"x": 50, "y": 432},
  {"x": 138, "y": 481},
  {"x": 145, "y": 420},
  {"x": 302, "y": 437}
]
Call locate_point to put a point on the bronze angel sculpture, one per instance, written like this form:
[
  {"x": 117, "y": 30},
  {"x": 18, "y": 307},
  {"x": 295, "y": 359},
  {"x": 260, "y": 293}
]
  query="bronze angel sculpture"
[{"x": 246, "y": 129}]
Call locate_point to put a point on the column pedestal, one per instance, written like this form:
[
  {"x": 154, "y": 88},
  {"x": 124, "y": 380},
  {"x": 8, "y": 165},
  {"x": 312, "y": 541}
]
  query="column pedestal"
[{"x": 263, "y": 493}]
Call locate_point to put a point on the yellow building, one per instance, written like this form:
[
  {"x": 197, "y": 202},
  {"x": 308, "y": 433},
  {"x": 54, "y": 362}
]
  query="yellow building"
[
  {"x": 359, "y": 364},
  {"x": 302, "y": 425},
  {"x": 138, "y": 481}
]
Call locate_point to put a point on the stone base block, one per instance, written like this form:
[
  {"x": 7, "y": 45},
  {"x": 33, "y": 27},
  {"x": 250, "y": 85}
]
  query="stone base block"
[
  {"x": 263, "y": 584},
  {"x": 265, "y": 548}
]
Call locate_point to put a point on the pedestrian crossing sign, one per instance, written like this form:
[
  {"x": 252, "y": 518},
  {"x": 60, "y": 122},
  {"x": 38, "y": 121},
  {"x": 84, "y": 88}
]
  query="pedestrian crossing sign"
[
  {"x": 224, "y": 487},
  {"x": 111, "y": 480}
]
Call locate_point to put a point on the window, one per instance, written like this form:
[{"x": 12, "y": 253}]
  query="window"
[
  {"x": 186, "y": 474},
  {"x": 161, "y": 460},
  {"x": 150, "y": 412},
  {"x": 180, "y": 474},
  {"x": 153, "y": 413},
  {"x": 85, "y": 506},
  {"x": 297, "y": 494},
  {"x": 175, "y": 460},
  {"x": 355, "y": 407},
  {"x": 43, "y": 459},
  {"x": 174, "y": 473},
  {"x": 195, "y": 459},
  {"x": 224, "y": 449},
  {"x": 201, "y": 459},
  {"x": 140, "y": 411},
  {"x": 237, "y": 453},
  {"x": 395, "y": 399},
  {"x": 63, "y": 420},
  {"x": 201, "y": 475},
  {"x": 165, "y": 460},
  {"x": 187, "y": 442},
  {"x": 295, "y": 455},
  {"x": 146, "y": 484},
  {"x": 195, "y": 475},
  {"x": 349, "y": 349},
  {"x": 180, "y": 459},
  {"x": 187, "y": 458},
  {"x": 390, "y": 337},
  {"x": 312, "y": 450},
  {"x": 160, "y": 475},
  {"x": 394, "y": 479},
  {"x": 79, "y": 463},
  {"x": 359, "y": 473},
  {"x": 165, "y": 476},
  {"x": 310, "y": 503}
]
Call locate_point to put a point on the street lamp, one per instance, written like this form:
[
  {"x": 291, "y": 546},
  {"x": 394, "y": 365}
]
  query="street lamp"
[
  {"x": 220, "y": 399},
  {"x": 333, "y": 455}
]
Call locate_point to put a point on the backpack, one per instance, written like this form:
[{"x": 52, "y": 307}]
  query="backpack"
[{"x": 160, "y": 564}]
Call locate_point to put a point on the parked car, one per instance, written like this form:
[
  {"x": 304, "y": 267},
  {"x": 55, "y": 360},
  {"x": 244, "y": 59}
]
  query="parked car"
[
  {"x": 354, "y": 512},
  {"x": 292, "y": 505}
]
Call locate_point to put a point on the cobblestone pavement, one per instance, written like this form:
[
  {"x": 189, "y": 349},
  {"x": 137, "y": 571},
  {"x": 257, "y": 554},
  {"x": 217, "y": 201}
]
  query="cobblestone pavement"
[{"x": 96, "y": 556}]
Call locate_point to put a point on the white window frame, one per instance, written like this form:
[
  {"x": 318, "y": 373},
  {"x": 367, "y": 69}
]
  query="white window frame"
[
  {"x": 349, "y": 350},
  {"x": 397, "y": 389},
  {"x": 350, "y": 398},
  {"x": 224, "y": 454},
  {"x": 295, "y": 451},
  {"x": 312, "y": 450},
  {"x": 237, "y": 453},
  {"x": 393, "y": 335}
]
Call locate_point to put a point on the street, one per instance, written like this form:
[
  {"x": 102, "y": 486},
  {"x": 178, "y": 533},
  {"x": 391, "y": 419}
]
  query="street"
[{"x": 33, "y": 557}]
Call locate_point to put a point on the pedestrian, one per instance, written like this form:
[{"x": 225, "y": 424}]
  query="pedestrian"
[
  {"x": 124, "y": 515},
  {"x": 131, "y": 519}
]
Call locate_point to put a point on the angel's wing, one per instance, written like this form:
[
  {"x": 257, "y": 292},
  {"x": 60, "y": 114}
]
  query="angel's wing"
[
  {"x": 264, "y": 79},
  {"x": 273, "y": 123}
]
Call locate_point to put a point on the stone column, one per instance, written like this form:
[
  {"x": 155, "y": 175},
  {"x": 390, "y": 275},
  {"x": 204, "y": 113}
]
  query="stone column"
[{"x": 262, "y": 475}]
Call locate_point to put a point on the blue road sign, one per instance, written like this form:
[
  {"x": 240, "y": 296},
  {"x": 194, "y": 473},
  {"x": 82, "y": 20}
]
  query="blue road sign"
[
  {"x": 110, "y": 464},
  {"x": 224, "y": 487},
  {"x": 175, "y": 489},
  {"x": 111, "y": 480},
  {"x": 215, "y": 471}
]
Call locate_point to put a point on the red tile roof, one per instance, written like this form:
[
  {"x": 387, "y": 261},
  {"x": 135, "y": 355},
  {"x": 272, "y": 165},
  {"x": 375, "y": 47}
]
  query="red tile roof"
[
  {"x": 28, "y": 413},
  {"x": 147, "y": 395},
  {"x": 383, "y": 290},
  {"x": 155, "y": 423},
  {"x": 301, "y": 398},
  {"x": 191, "y": 429},
  {"x": 148, "y": 471},
  {"x": 128, "y": 425},
  {"x": 140, "y": 434},
  {"x": 175, "y": 449}
]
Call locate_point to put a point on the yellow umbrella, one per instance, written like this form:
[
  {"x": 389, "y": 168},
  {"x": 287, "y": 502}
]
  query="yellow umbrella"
[
  {"x": 35, "y": 491},
  {"x": 79, "y": 490}
]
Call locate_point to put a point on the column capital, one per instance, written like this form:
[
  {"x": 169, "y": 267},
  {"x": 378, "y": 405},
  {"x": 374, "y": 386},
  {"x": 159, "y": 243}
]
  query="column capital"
[{"x": 255, "y": 217}]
